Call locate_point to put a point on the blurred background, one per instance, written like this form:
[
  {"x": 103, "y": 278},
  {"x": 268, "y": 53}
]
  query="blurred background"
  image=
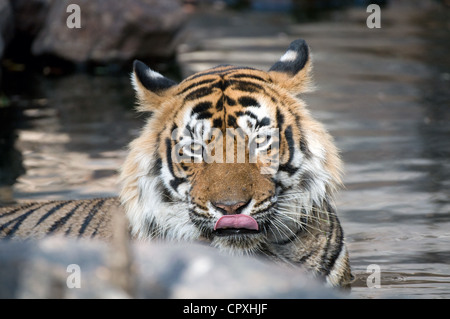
[{"x": 66, "y": 107}]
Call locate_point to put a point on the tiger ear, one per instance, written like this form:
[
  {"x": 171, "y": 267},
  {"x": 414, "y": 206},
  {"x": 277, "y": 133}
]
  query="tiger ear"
[
  {"x": 293, "y": 69},
  {"x": 150, "y": 86}
]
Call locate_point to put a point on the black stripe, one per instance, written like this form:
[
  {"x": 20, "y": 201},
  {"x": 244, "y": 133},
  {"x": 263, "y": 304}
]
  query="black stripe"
[
  {"x": 202, "y": 214},
  {"x": 264, "y": 122},
  {"x": 283, "y": 188},
  {"x": 247, "y": 86},
  {"x": 97, "y": 227},
  {"x": 247, "y": 101},
  {"x": 203, "y": 223},
  {"x": 231, "y": 122},
  {"x": 329, "y": 258},
  {"x": 201, "y": 107},
  {"x": 324, "y": 258},
  {"x": 304, "y": 148},
  {"x": 51, "y": 211},
  {"x": 166, "y": 196},
  {"x": 176, "y": 181},
  {"x": 156, "y": 168},
  {"x": 196, "y": 84},
  {"x": 304, "y": 145},
  {"x": 250, "y": 76},
  {"x": 19, "y": 220},
  {"x": 199, "y": 93},
  {"x": 99, "y": 224},
  {"x": 288, "y": 167},
  {"x": 222, "y": 85},
  {"x": 220, "y": 69},
  {"x": 280, "y": 120},
  {"x": 152, "y": 229},
  {"x": 290, "y": 140},
  {"x": 12, "y": 212},
  {"x": 91, "y": 215},
  {"x": 217, "y": 123},
  {"x": 306, "y": 257},
  {"x": 212, "y": 71},
  {"x": 219, "y": 104},
  {"x": 250, "y": 114},
  {"x": 61, "y": 222},
  {"x": 204, "y": 116},
  {"x": 67, "y": 233},
  {"x": 230, "y": 101},
  {"x": 169, "y": 156}
]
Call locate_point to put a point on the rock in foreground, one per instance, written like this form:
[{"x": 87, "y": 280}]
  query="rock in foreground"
[{"x": 56, "y": 267}]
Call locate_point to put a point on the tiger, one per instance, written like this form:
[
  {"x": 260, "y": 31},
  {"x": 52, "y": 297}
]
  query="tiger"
[{"x": 181, "y": 182}]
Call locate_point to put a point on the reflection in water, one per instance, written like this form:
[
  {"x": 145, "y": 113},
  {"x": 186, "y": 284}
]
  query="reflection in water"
[
  {"x": 435, "y": 130},
  {"x": 76, "y": 135},
  {"x": 383, "y": 94}
]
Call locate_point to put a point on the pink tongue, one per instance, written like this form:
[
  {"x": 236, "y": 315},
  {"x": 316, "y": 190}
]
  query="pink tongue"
[{"x": 236, "y": 221}]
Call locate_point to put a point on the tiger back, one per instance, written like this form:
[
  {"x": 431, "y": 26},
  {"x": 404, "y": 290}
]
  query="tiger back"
[
  {"x": 231, "y": 157},
  {"x": 76, "y": 218}
]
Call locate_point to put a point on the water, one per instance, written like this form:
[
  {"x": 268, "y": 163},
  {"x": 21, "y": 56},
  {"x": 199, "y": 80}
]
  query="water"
[
  {"x": 72, "y": 136},
  {"x": 382, "y": 93}
]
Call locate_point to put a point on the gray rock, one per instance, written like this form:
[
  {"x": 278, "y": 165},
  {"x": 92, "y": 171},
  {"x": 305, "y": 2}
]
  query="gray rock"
[
  {"x": 196, "y": 271},
  {"x": 45, "y": 269},
  {"x": 111, "y": 31}
]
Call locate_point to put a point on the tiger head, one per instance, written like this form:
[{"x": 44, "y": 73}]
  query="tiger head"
[{"x": 229, "y": 155}]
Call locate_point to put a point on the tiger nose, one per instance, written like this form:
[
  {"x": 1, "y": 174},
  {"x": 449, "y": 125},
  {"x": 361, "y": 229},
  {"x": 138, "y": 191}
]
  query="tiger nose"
[{"x": 230, "y": 208}]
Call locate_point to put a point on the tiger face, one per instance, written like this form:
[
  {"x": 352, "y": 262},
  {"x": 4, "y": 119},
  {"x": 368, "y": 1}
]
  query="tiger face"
[{"x": 230, "y": 156}]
